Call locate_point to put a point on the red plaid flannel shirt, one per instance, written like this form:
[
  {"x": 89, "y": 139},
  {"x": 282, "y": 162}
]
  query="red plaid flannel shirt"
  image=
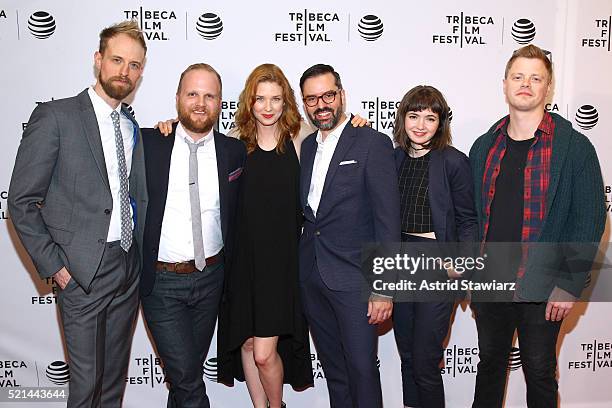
[{"x": 536, "y": 180}]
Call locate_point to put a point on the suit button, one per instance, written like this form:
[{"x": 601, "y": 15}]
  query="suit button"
[
  {"x": 100, "y": 241},
  {"x": 107, "y": 211},
  {"x": 317, "y": 233},
  {"x": 154, "y": 250}
]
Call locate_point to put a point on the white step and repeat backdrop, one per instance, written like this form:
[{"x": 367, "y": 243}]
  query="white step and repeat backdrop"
[{"x": 381, "y": 49}]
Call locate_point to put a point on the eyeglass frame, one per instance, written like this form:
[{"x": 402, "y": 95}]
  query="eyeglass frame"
[{"x": 322, "y": 97}]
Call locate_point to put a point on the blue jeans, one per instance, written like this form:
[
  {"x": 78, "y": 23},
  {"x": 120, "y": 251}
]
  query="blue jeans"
[
  {"x": 496, "y": 323},
  {"x": 181, "y": 312}
]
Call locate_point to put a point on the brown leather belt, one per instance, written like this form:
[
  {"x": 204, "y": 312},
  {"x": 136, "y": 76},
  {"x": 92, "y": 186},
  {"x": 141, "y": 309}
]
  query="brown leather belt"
[{"x": 188, "y": 266}]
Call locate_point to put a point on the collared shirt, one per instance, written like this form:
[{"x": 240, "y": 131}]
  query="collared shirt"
[
  {"x": 536, "y": 179},
  {"x": 325, "y": 152},
  {"x": 176, "y": 241},
  {"x": 107, "y": 135}
]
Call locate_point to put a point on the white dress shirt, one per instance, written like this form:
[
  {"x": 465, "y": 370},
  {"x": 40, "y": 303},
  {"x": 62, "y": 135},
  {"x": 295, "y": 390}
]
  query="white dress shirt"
[
  {"x": 176, "y": 241},
  {"x": 325, "y": 151},
  {"x": 107, "y": 134}
]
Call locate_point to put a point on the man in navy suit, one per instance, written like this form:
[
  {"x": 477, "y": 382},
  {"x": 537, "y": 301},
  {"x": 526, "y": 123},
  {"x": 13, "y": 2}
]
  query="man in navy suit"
[
  {"x": 350, "y": 197},
  {"x": 193, "y": 179}
]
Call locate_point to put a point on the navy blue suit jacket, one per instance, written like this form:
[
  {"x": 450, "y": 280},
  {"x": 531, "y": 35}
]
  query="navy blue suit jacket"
[
  {"x": 359, "y": 205},
  {"x": 451, "y": 194},
  {"x": 231, "y": 155}
]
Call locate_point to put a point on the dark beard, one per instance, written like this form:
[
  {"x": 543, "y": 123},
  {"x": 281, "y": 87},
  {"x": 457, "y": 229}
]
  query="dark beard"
[
  {"x": 114, "y": 91},
  {"x": 200, "y": 126},
  {"x": 325, "y": 126}
]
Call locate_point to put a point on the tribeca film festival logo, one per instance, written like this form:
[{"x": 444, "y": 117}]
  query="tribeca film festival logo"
[
  {"x": 587, "y": 117},
  {"x": 8, "y": 371},
  {"x": 58, "y": 372},
  {"x": 149, "y": 372},
  {"x": 50, "y": 298},
  {"x": 41, "y": 25},
  {"x": 370, "y": 27},
  {"x": 24, "y": 125},
  {"x": 464, "y": 30},
  {"x": 459, "y": 360},
  {"x": 602, "y": 37},
  {"x": 227, "y": 115},
  {"x": 381, "y": 113},
  {"x": 152, "y": 22},
  {"x": 209, "y": 26},
  {"x": 308, "y": 27},
  {"x": 523, "y": 31},
  {"x": 597, "y": 355},
  {"x": 3, "y": 204}
]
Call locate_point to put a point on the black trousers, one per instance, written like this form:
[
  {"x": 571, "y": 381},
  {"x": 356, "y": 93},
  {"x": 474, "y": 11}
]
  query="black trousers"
[{"x": 537, "y": 337}]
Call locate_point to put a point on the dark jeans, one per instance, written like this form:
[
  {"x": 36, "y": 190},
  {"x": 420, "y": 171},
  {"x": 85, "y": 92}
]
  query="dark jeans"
[
  {"x": 537, "y": 338},
  {"x": 181, "y": 312},
  {"x": 420, "y": 329}
]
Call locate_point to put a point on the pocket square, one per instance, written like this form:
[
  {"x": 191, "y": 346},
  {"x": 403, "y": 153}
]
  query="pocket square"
[
  {"x": 345, "y": 162},
  {"x": 235, "y": 174}
]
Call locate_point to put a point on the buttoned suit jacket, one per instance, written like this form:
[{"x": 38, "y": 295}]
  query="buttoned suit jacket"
[
  {"x": 59, "y": 196},
  {"x": 359, "y": 205},
  {"x": 230, "y": 154}
]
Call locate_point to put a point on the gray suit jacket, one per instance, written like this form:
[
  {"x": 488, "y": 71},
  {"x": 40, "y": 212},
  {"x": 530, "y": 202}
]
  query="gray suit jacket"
[{"x": 59, "y": 196}]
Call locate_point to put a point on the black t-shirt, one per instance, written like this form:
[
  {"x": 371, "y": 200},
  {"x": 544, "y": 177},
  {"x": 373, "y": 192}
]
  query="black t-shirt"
[{"x": 506, "y": 219}]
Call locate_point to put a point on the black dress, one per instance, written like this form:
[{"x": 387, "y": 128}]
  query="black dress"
[{"x": 262, "y": 293}]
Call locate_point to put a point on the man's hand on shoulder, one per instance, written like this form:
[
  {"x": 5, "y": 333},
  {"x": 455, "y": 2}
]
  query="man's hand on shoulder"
[
  {"x": 358, "y": 121},
  {"x": 165, "y": 127}
]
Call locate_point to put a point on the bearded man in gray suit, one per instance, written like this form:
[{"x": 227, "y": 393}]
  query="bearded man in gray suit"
[{"x": 78, "y": 201}]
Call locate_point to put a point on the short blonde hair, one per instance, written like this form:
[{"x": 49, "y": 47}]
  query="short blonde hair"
[{"x": 530, "y": 51}]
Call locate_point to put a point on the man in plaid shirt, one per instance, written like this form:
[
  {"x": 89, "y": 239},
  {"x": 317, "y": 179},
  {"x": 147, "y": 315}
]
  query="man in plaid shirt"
[{"x": 537, "y": 184}]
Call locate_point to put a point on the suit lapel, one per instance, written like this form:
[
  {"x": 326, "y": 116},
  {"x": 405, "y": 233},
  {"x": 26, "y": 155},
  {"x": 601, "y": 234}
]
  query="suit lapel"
[
  {"x": 92, "y": 133},
  {"x": 307, "y": 156},
  {"x": 347, "y": 138},
  {"x": 222, "y": 172}
]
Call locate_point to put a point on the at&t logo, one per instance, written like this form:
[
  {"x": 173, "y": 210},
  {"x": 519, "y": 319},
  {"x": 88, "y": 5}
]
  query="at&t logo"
[
  {"x": 514, "y": 359},
  {"x": 209, "y": 26},
  {"x": 308, "y": 27},
  {"x": 41, "y": 25},
  {"x": 58, "y": 372},
  {"x": 523, "y": 31},
  {"x": 602, "y": 38},
  {"x": 210, "y": 369},
  {"x": 152, "y": 22},
  {"x": 587, "y": 117},
  {"x": 370, "y": 27},
  {"x": 464, "y": 30}
]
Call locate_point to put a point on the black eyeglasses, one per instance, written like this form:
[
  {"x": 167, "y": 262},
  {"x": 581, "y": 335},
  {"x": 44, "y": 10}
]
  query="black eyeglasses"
[{"x": 328, "y": 97}]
